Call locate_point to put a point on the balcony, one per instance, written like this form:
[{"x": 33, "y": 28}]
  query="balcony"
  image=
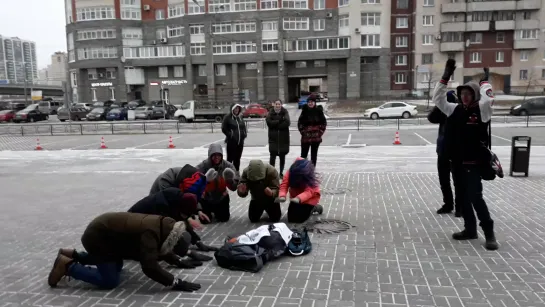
[
  {"x": 526, "y": 44},
  {"x": 505, "y": 25},
  {"x": 529, "y": 5},
  {"x": 487, "y": 6},
  {"x": 477, "y": 26},
  {"x": 453, "y": 27},
  {"x": 459, "y": 7},
  {"x": 527, "y": 24},
  {"x": 452, "y": 46}
]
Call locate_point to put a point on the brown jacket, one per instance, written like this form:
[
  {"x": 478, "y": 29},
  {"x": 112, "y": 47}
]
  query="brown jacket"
[
  {"x": 134, "y": 236},
  {"x": 258, "y": 176}
]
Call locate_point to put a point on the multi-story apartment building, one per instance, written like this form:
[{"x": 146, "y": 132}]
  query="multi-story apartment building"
[
  {"x": 56, "y": 72},
  {"x": 18, "y": 62}
]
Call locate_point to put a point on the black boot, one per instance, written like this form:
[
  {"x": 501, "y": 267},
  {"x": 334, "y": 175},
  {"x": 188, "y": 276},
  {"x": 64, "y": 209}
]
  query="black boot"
[
  {"x": 491, "y": 244},
  {"x": 445, "y": 209},
  {"x": 318, "y": 209},
  {"x": 465, "y": 235}
]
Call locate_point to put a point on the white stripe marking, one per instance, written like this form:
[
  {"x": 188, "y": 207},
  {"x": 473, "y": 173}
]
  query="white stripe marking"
[
  {"x": 499, "y": 137},
  {"x": 98, "y": 143},
  {"x": 208, "y": 144},
  {"x": 418, "y": 135},
  {"x": 155, "y": 142}
]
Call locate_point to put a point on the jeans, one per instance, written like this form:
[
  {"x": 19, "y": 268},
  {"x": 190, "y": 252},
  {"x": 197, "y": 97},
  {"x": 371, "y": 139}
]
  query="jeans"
[
  {"x": 267, "y": 204},
  {"x": 299, "y": 213},
  {"x": 444, "y": 170},
  {"x": 234, "y": 153},
  {"x": 272, "y": 161},
  {"x": 313, "y": 151},
  {"x": 105, "y": 275},
  {"x": 471, "y": 191},
  {"x": 221, "y": 209}
]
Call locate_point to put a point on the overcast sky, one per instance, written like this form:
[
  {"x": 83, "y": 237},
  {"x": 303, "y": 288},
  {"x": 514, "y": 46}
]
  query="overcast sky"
[{"x": 41, "y": 21}]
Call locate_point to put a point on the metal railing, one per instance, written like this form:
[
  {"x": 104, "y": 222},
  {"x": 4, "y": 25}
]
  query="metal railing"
[{"x": 174, "y": 127}]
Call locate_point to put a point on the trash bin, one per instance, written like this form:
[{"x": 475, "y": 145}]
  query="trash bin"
[{"x": 520, "y": 155}]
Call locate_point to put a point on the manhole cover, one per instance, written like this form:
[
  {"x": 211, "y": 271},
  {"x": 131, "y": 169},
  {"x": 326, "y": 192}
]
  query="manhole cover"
[
  {"x": 334, "y": 191},
  {"x": 328, "y": 226}
]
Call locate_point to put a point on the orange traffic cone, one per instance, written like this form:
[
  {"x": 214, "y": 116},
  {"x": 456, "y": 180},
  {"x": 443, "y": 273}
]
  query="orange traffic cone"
[
  {"x": 396, "y": 140},
  {"x": 38, "y": 146},
  {"x": 170, "y": 143},
  {"x": 102, "y": 143}
]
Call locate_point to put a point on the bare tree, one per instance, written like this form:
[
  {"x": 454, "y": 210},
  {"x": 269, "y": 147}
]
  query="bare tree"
[
  {"x": 531, "y": 80},
  {"x": 431, "y": 82}
]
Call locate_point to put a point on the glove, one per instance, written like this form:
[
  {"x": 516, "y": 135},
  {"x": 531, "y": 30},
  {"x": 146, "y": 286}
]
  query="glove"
[
  {"x": 211, "y": 174},
  {"x": 199, "y": 257},
  {"x": 180, "y": 285},
  {"x": 450, "y": 66},
  {"x": 188, "y": 264},
  {"x": 228, "y": 174},
  {"x": 295, "y": 200},
  {"x": 206, "y": 248},
  {"x": 486, "y": 74}
]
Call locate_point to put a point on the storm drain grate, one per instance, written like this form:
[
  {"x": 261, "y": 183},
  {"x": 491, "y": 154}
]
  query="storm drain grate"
[{"x": 328, "y": 226}]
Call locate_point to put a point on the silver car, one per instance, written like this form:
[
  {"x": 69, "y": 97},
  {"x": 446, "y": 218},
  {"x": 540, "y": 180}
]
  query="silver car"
[{"x": 143, "y": 112}]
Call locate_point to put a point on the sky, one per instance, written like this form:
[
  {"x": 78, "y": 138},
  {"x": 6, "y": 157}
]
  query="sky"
[{"x": 41, "y": 21}]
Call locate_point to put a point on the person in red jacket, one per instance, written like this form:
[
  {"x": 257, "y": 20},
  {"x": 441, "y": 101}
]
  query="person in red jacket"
[{"x": 304, "y": 188}]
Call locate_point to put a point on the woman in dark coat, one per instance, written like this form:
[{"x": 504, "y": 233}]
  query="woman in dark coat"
[
  {"x": 278, "y": 122},
  {"x": 312, "y": 124}
]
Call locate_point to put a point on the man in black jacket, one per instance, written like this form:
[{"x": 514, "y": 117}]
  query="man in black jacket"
[
  {"x": 466, "y": 142},
  {"x": 443, "y": 162},
  {"x": 234, "y": 129}
]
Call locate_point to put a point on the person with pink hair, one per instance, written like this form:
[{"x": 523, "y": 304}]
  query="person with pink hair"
[{"x": 304, "y": 189}]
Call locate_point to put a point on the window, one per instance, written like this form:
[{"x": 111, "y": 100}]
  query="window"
[
  {"x": 319, "y": 24},
  {"x": 219, "y": 6},
  {"x": 131, "y": 33},
  {"x": 196, "y": 29},
  {"x": 178, "y": 71},
  {"x": 92, "y": 74},
  {"x": 222, "y": 48},
  {"x": 97, "y": 53},
  {"x": 195, "y": 7},
  {"x": 401, "y": 60},
  {"x": 402, "y": 4},
  {"x": 427, "y": 20},
  {"x": 95, "y": 34},
  {"x": 294, "y": 4},
  {"x": 523, "y": 74},
  {"x": 95, "y": 13},
  {"x": 500, "y": 56},
  {"x": 245, "y": 47},
  {"x": 149, "y": 52},
  {"x": 175, "y": 11},
  {"x": 524, "y": 55},
  {"x": 476, "y": 57},
  {"x": 112, "y": 93},
  {"x": 175, "y": 31},
  {"x": 402, "y": 41},
  {"x": 370, "y": 1},
  {"x": 319, "y": 63},
  {"x": 163, "y": 72},
  {"x": 402, "y": 22},
  {"x": 243, "y": 27},
  {"x": 427, "y": 39},
  {"x": 317, "y": 44},
  {"x": 269, "y": 26},
  {"x": 220, "y": 70},
  {"x": 527, "y": 15},
  {"x": 400, "y": 78},
  {"x": 344, "y": 21},
  {"x": 131, "y": 13},
  {"x": 527, "y": 34},
  {"x": 269, "y": 45},
  {"x": 300, "y": 64},
  {"x": 160, "y": 33},
  {"x": 370, "y": 41},
  {"x": 319, "y": 4},
  {"x": 500, "y": 37},
  {"x": 245, "y": 5},
  {"x": 427, "y": 58},
  {"x": 343, "y": 2},
  {"x": 295, "y": 23},
  {"x": 269, "y": 4},
  {"x": 370, "y": 19},
  {"x": 159, "y": 14},
  {"x": 222, "y": 28},
  {"x": 476, "y": 38},
  {"x": 197, "y": 48},
  {"x": 202, "y": 70},
  {"x": 74, "y": 78},
  {"x": 94, "y": 94},
  {"x": 110, "y": 73},
  {"x": 429, "y": 2}
]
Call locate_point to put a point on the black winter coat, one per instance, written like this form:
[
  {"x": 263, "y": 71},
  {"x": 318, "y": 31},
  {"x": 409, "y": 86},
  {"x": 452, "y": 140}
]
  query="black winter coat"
[
  {"x": 438, "y": 117},
  {"x": 168, "y": 202},
  {"x": 234, "y": 127},
  {"x": 312, "y": 124},
  {"x": 279, "y": 132}
]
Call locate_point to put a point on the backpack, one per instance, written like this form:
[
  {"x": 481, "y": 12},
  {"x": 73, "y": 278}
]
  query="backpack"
[
  {"x": 300, "y": 243},
  {"x": 237, "y": 257}
]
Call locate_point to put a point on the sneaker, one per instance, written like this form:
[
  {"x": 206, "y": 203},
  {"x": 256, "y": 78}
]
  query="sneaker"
[
  {"x": 318, "y": 209},
  {"x": 445, "y": 209},
  {"x": 465, "y": 235}
]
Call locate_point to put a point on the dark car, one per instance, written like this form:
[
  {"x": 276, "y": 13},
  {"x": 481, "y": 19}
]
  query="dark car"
[
  {"x": 107, "y": 104},
  {"x": 17, "y": 106},
  {"x": 135, "y": 104},
  {"x": 75, "y": 113},
  {"x": 30, "y": 114},
  {"x": 7, "y": 115},
  {"x": 117, "y": 114},
  {"x": 534, "y": 106},
  {"x": 159, "y": 112},
  {"x": 97, "y": 114},
  {"x": 143, "y": 112}
]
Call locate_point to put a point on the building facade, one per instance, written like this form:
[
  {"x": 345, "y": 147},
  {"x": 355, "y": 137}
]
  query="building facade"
[
  {"x": 56, "y": 72},
  {"x": 18, "y": 62},
  {"x": 177, "y": 49}
]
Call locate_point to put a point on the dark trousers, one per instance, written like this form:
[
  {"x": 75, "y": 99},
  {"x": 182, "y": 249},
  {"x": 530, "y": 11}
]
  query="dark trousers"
[
  {"x": 234, "y": 153},
  {"x": 471, "y": 192},
  {"x": 105, "y": 275},
  {"x": 313, "y": 151},
  {"x": 272, "y": 161},
  {"x": 220, "y": 209},
  {"x": 444, "y": 170},
  {"x": 267, "y": 204},
  {"x": 299, "y": 213}
]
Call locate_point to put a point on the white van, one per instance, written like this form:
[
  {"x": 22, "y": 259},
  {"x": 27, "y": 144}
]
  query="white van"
[{"x": 49, "y": 107}]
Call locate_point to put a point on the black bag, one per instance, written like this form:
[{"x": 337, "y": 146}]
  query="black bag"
[
  {"x": 237, "y": 257},
  {"x": 491, "y": 166}
]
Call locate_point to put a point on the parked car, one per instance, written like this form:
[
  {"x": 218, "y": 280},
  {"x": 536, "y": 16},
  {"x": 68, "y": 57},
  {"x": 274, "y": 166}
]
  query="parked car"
[
  {"x": 49, "y": 106},
  {"x": 534, "y": 106},
  {"x": 135, "y": 104},
  {"x": 391, "y": 109},
  {"x": 106, "y": 104},
  {"x": 74, "y": 113},
  {"x": 143, "y": 113},
  {"x": 159, "y": 112},
  {"x": 117, "y": 114},
  {"x": 31, "y": 113},
  {"x": 17, "y": 106},
  {"x": 255, "y": 110},
  {"x": 85, "y": 105},
  {"x": 302, "y": 101},
  {"x": 97, "y": 114},
  {"x": 7, "y": 115}
]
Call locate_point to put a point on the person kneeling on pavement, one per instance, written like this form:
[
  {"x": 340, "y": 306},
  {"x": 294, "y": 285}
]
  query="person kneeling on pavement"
[
  {"x": 173, "y": 203},
  {"x": 215, "y": 202},
  {"x": 116, "y": 236},
  {"x": 262, "y": 181},
  {"x": 304, "y": 189},
  {"x": 467, "y": 146}
]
